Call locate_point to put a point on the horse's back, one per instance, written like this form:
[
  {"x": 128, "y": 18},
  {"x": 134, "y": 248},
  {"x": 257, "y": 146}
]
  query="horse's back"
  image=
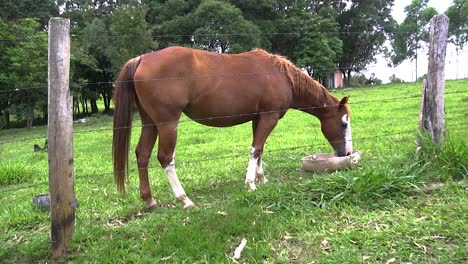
[{"x": 206, "y": 84}]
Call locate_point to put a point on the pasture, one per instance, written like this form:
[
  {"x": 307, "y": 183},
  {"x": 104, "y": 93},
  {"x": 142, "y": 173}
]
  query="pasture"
[{"x": 401, "y": 205}]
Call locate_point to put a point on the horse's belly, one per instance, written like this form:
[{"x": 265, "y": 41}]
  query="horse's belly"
[{"x": 223, "y": 120}]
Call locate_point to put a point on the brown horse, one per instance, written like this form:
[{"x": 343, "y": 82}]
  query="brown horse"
[{"x": 215, "y": 90}]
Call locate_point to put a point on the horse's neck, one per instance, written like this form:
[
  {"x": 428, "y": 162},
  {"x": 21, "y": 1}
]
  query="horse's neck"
[{"x": 313, "y": 99}]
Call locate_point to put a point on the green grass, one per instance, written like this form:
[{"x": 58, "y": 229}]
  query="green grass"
[{"x": 401, "y": 203}]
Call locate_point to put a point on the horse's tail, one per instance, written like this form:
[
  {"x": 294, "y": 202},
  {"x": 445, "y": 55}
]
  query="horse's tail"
[{"x": 124, "y": 98}]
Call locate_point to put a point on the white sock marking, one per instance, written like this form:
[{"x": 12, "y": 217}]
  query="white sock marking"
[
  {"x": 177, "y": 188},
  {"x": 251, "y": 171}
]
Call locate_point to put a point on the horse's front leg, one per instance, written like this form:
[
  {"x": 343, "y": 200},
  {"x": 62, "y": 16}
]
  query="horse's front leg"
[
  {"x": 166, "y": 157},
  {"x": 255, "y": 171},
  {"x": 252, "y": 170},
  {"x": 260, "y": 176},
  {"x": 261, "y": 130}
]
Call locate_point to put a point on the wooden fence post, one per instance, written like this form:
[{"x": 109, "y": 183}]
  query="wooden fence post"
[
  {"x": 60, "y": 138},
  {"x": 432, "y": 118}
]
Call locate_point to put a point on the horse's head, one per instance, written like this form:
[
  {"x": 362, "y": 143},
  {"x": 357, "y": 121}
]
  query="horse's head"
[{"x": 336, "y": 127}]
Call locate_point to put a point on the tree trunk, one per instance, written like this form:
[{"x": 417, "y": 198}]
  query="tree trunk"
[
  {"x": 348, "y": 79},
  {"x": 45, "y": 113},
  {"x": 106, "y": 100},
  {"x": 30, "y": 116},
  {"x": 7, "y": 119},
  {"x": 29, "y": 122},
  {"x": 84, "y": 105},
  {"x": 94, "y": 108},
  {"x": 76, "y": 107}
]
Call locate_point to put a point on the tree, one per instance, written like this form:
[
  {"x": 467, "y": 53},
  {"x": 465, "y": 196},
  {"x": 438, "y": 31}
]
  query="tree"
[
  {"x": 28, "y": 68},
  {"x": 412, "y": 32},
  {"x": 106, "y": 42},
  {"x": 319, "y": 48},
  {"x": 458, "y": 25},
  {"x": 212, "y": 25},
  {"x": 394, "y": 79},
  {"x": 41, "y": 10},
  {"x": 268, "y": 16},
  {"x": 221, "y": 27},
  {"x": 6, "y": 41},
  {"x": 364, "y": 27}
]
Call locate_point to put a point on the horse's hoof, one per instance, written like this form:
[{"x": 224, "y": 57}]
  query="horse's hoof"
[
  {"x": 189, "y": 205},
  {"x": 251, "y": 186},
  {"x": 151, "y": 208},
  {"x": 261, "y": 180}
]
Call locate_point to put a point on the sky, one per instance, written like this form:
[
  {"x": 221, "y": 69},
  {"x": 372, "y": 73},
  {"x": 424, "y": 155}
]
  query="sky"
[{"x": 407, "y": 70}]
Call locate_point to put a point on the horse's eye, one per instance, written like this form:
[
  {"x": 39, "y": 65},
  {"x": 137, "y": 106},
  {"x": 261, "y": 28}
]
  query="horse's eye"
[{"x": 344, "y": 124}]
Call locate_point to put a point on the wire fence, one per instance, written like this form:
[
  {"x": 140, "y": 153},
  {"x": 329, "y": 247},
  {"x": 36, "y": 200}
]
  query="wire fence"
[
  {"x": 189, "y": 77},
  {"x": 391, "y": 99},
  {"x": 195, "y": 36},
  {"x": 228, "y": 75},
  {"x": 384, "y": 135},
  {"x": 218, "y": 158}
]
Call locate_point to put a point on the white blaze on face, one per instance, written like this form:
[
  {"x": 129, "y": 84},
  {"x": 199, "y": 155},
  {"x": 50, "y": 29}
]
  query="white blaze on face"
[{"x": 348, "y": 139}]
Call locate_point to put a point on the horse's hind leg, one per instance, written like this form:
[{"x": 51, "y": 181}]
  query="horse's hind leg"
[
  {"x": 143, "y": 154},
  {"x": 166, "y": 157}
]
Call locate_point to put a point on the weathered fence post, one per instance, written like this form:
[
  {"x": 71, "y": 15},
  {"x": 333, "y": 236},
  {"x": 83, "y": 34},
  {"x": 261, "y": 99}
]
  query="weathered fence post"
[
  {"x": 60, "y": 138},
  {"x": 432, "y": 118}
]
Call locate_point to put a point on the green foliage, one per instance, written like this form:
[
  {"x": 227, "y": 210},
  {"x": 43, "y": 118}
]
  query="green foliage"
[
  {"x": 317, "y": 50},
  {"x": 132, "y": 36},
  {"x": 220, "y": 26},
  {"x": 359, "y": 80},
  {"x": 13, "y": 11},
  {"x": 394, "y": 79},
  {"x": 105, "y": 44},
  {"x": 14, "y": 173},
  {"x": 421, "y": 78},
  {"x": 458, "y": 24},
  {"x": 446, "y": 162},
  {"x": 414, "y": 31},
  {"x": 27, "y": 67},
  {"x": 212, "y": 25},
  {"x": 364, "y": 27}
]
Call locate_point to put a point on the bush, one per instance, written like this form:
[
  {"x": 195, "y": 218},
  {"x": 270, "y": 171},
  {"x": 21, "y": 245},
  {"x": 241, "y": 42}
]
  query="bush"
[
  {"x": 13, "y": 173},
  {"x": 394, "y": 79},
  {"x": 360, "y": 79}
]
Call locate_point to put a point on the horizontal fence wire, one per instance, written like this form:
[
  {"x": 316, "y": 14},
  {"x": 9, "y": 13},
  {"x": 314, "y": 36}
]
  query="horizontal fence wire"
[
  {"x": 226, "y": 157},
  {"x": 188, "y": 77},
  {"x": 189, "y": 35},
  {"x": 231, "y": 116},
  {"x": 106, "y": 148}
]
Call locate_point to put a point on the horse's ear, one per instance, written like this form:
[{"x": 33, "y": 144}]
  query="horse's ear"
[{"x": 343, "y": 102}]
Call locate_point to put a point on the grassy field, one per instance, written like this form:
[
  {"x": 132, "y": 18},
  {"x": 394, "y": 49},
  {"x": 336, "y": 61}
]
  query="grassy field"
[{"x": 401, "y": 205}]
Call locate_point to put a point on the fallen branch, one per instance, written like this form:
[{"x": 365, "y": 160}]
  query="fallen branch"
[{"x": 238, "y": 251}]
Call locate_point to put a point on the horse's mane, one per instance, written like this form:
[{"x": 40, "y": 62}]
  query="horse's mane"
[{"x": 302, "y": 83}]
